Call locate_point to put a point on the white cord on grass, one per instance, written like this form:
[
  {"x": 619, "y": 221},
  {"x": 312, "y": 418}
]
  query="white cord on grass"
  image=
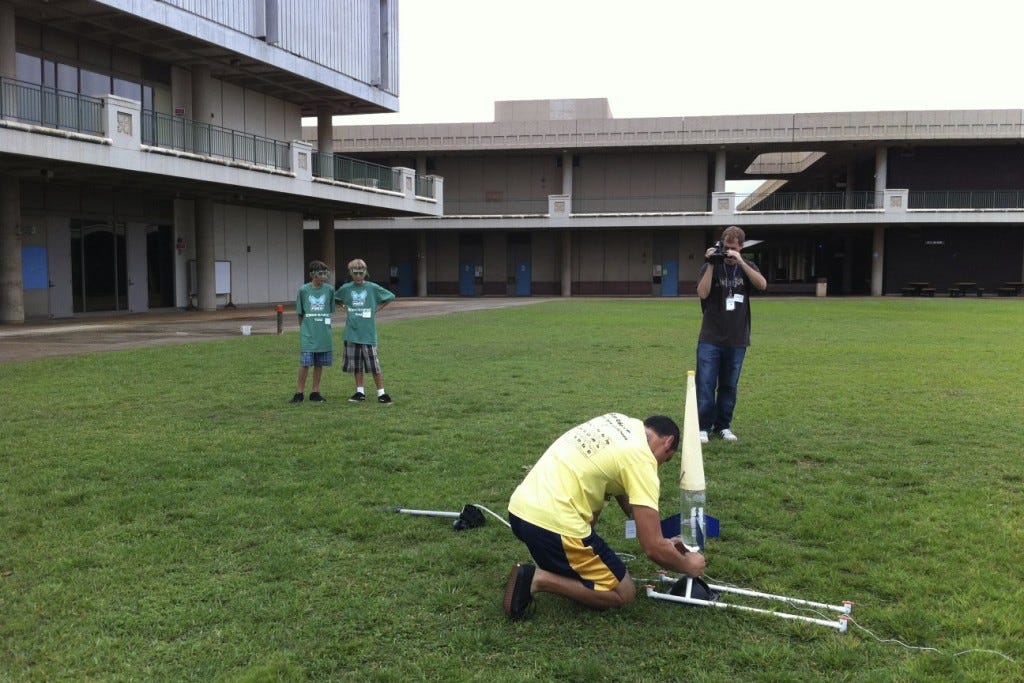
[{"x": 492, "y": 513}]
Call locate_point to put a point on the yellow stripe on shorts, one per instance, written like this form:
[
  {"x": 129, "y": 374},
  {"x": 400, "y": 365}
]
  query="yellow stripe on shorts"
[{"x": 589, "y": 566}]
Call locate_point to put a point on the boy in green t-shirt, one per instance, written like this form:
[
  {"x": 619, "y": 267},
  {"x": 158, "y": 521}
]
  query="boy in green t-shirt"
[
  {"x": 361, "y": 299},
  {"x": 315, "y": 304}
]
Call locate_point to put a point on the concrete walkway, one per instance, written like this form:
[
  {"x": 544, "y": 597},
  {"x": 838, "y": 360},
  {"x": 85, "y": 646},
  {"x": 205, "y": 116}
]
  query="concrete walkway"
[{"x": 92, "y": 334}]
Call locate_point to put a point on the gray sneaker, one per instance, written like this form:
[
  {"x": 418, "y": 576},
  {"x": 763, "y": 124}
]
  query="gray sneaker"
[{"x": 728, "y": 435}]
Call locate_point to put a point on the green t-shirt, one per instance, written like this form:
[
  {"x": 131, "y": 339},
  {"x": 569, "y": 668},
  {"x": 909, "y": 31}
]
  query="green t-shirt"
[
  {"x": 361, "y": 302},
  {"x": 316, "y": 306}
]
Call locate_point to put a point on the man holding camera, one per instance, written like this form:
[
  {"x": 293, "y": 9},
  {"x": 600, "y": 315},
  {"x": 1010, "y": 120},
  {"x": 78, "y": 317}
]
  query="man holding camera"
[{"x": 724, "y": 284}]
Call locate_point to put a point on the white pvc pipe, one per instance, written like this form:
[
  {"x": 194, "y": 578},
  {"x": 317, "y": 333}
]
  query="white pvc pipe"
[
  {"x": 840, "y": 624},
  {"x": 845, "y": 608},
  {"x": 429, "y": 513}
]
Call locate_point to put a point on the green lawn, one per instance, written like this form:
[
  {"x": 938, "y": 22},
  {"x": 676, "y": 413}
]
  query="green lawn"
[{"x": 166, "y": 515}]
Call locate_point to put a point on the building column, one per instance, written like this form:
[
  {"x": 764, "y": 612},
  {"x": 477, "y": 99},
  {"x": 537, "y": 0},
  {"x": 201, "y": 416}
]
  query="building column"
[
  {"x": 421, "y": 164},
  {"x": 325, "y": 140},
  {"x": 877, "y": 260},
  {"x": 566, "y": 262},
  {"x": 8, "y": 56},
  {"x": 421, "y": 263},
  {"x": 851, "y": 174},
  {"x": 12, "y": 290},
  {"x": 567, "y": 174},
  {"x": 325, "y": 147},
  {"x": 720, "y": 171},
  {"x": 202, "y": 95},
  {"x": 881, "y": 171},
  {"x": 206, "y": 269}
]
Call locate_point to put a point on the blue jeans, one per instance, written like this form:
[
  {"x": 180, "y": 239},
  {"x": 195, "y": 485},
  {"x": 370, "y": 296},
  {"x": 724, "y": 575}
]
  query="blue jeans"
[{"x": 717, "y": 367}]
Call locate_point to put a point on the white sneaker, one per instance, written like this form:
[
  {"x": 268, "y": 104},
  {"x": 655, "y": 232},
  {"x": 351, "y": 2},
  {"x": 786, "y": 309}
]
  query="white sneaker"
[
  {"x": 703, "y": 437},
  {"x": 728, "y": 435}
]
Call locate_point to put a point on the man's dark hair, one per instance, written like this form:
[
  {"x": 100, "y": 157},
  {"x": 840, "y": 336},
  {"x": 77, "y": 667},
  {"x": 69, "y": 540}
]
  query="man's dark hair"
[{"x": 664, "y": 426}]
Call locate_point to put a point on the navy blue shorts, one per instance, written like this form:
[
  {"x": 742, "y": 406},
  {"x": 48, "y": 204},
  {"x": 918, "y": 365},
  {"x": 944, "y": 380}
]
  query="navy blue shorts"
[{"x": 588, "y": 560}]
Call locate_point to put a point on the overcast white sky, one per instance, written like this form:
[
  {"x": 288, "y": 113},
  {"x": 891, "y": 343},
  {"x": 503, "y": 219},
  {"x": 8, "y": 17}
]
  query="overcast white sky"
[{"x": 698, "y": 57}]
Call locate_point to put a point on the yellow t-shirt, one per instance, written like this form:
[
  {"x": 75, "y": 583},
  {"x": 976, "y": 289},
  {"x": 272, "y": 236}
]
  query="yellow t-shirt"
[{"x": 608, "y": 455}]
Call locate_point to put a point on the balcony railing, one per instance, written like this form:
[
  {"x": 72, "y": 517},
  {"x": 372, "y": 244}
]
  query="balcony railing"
[
  {"x": 176, "y": 132},
  {"x": 424, "y": 186},
  {"x": 966, "y": 199},
  {"x": 680, "y": 203},
  {"x": 44, "y": 106},
  {"x": 357, "y": 172},
  {"x": 815, "y": 201}
]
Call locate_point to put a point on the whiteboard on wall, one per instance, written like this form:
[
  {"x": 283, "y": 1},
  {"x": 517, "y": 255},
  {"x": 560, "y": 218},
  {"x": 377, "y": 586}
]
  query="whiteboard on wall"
[{"x": 222, "y": 277}]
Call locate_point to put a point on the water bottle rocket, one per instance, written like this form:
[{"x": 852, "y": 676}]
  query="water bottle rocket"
[{"x": 692, "y": 493}]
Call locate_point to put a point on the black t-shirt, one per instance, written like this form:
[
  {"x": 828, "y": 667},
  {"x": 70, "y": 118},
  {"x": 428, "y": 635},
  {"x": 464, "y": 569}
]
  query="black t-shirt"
[{"x": 720, "y": 326}]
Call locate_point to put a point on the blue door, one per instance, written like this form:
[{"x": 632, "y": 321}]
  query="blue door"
[
  {"x": 406, "y": 286},
  {"x": 523, "y": 272},
  {"x": 467, "y": 279},
  {"x": 670, "y": 278}
]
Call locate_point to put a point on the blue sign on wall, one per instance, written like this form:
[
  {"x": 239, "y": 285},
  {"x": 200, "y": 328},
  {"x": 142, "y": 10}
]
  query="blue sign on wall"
[{"x": 33, "y": 268}]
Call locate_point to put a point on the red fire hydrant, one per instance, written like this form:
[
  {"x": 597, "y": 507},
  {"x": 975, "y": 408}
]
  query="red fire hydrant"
[{"x": 280, "y": 318}]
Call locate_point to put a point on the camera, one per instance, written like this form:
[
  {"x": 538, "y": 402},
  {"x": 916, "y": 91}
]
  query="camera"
[{"x": 718, "y": 256}]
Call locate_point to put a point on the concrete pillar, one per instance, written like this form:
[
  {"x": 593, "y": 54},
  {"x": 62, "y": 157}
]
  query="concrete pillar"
[
  {"x": 567, "y": 174},
  {"x": 8, "y": 58},
  {"x": 12, "y": 291},
  {"x": 327, "y": 242},
  {"x": 877, "y": 260},
  {"x": 324, "y": 130},
  {"x": 421, "y": 164},
  {"x": 850, "y": 175},
  {"x": 421, "y": 263},
  {"x": 566, "y": 263},
  {"x": 325, "y": 141},
  {"x": 720, "y": 171},
  {"x": 203, "y": 100},
  {"x": 206, "y": 269},
  {"x": 881, "y": 170}
]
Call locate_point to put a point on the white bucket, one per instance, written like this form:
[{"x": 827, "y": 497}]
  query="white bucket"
[{"x": 246, "y": 330}]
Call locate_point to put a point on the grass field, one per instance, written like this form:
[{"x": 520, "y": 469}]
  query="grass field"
[{"x": 166, "y": 515}]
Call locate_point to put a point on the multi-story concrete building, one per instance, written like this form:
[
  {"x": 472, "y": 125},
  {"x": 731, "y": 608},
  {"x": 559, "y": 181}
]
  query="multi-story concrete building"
[
  {"x": 151, "y": 153},
  {"x": 558, "y": 197}
]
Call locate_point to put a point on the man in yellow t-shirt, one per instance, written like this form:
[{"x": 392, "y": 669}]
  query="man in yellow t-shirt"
[{"x": 553, "y": 511}]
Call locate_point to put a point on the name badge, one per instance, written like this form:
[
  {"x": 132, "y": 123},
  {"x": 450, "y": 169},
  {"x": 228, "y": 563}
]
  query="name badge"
[
  {"x": 738, "y": 298},
  {"x": 327, "y": 321},
  {"x": 366, "y": 313},
  {"x": 730, "y": 303}
]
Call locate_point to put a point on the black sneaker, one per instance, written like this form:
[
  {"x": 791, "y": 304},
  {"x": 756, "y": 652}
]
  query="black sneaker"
[
  {"x": 315, "y": 397},
  {"x": 297, "y": 398},
  {"x": 357, "y": 397},
  {"x": 384, "y": 398},
  {"x": 517, "y": 591}
]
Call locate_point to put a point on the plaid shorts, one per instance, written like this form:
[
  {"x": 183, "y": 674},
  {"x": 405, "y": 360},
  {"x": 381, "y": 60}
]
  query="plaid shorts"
[
  {"x": 360, "y": 358},
  {"x": 315, "y": 358}
]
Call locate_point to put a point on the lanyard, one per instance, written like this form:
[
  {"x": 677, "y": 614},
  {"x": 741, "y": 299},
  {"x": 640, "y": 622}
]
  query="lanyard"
[{"x": 731, "y": 280}]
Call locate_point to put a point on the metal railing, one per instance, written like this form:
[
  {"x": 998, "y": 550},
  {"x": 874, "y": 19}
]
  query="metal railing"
[
  {"x": 176, "y": 132},
  {"x": 356, "y": 171},
  {"x": 966, "y": 199},
  {"x": 680, "y": 203},
  {"x": 49, "y": 107},
  {"x": 504, "y": 207},
  {"x": 425, "y": 186},
  {"x": 815, "y": 201}
]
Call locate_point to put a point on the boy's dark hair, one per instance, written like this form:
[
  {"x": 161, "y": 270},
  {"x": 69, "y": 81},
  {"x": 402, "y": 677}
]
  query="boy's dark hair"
[
  {"x": 664, "y": 426},
  {"x": 317, "y": 265}
]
